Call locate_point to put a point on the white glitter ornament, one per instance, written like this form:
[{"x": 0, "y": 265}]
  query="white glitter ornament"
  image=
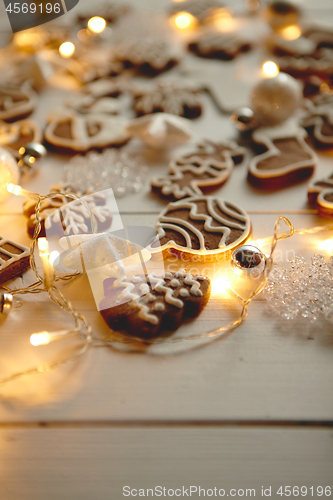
[
  {"x": 109, "y": 169},
  {"x": 302, "y": 290},
  {"x": 9, "y": 173},
  {"x": 275, "y": 99}
]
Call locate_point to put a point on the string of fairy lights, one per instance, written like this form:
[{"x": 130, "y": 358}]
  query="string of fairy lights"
[{"x": 48, "y": 281}]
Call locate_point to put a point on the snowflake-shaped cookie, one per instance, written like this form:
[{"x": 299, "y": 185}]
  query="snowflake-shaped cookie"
[
  {"x": 200, "y": 9},
  {"x": 60, "y": 215},
  {"x": 149, "y": 55},
  {"x": 216, "y": 44},
  {"x": 168, "y": 96}
]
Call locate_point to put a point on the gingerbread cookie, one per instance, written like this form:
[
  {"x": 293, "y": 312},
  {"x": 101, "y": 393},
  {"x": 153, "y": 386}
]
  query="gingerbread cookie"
[
  {"x": 14, "y": 259},
  {"x": 168, "y": 96},
  {"x": 146, "y": 304},
  {"x": 16, "y": 103},
  {"x": 287, "y": 158},
  {"x": 309, "y": 54},
  {"x": 91, "y": 65},
  {"x": 202, "y": 228},
  {"x": 74, "y": 132},
  {"x": 216, "y": 44},
  {"x": 17, "y": 135},
  {"x": 104, "y": 87},
  {"x": 318, "y": 121},
  {"x": 321, "y": 193},
  {"x": 148, "y": 55},
  {"x": 62, "y": 216},
  {"x": 200, "y": 9},
  {"x": 110, "y": 11},
  {"x": 85, "y": 104},
  {"x": 204, "y": 170}
]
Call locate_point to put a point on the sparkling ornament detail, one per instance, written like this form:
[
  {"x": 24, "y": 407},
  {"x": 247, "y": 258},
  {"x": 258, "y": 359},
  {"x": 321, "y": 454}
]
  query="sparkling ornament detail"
[
  {"x": 302, "y": 290},
  {"x": 109, "y": 169}
]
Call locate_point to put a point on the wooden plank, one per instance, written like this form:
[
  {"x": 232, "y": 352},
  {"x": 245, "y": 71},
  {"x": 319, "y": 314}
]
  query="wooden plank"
[
  {"x": 265, "y": 370},
  {"x": 82, "y": 464}
]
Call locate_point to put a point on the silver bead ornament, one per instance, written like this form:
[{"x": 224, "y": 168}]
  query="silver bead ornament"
[
  {"x": 249, "y": 261},
  {"x": 32, "y": 149},
  {"x": 244, "y": 119},
  {"x": 274, "y": 100},
  {"x": 6, "y": 302}
]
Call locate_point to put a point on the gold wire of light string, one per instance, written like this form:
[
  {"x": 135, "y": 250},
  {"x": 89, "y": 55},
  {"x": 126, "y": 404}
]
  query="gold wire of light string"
[{"x": 83, "y": 328}]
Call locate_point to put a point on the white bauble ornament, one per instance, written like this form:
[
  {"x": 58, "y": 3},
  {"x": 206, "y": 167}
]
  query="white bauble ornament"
[
  {"x": 275, "y": 99},
  {"x": 9, "y": 173}
]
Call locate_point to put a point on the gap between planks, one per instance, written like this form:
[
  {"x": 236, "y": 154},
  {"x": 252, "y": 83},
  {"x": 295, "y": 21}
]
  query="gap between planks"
[{"x": 158, "y": 424}]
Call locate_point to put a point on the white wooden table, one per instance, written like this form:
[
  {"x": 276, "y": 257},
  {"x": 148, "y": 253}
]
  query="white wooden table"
[{"x": 252, "y": 409}]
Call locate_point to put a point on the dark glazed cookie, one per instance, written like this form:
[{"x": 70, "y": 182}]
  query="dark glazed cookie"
[
  {"x": 203, "y": 170},
  {"x": 148, "y": 55},
  {"x": 168, "y": 96},
  {"x": 215, "y": 44},
  {"x": 287, "y": 158},
  {"x": 110, "y": 11},
  {"x": 14, "y": 259},
  {"x": 203, "y": 228},
  {"x": 200, "y": 9},
  {"x": 146, "y": 304},
  {"x": 309, "y": 54}
]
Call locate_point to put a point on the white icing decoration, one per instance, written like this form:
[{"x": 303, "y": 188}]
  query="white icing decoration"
[
  {"x": 183, "y": 292},
  {"x": 195, "y": 288},
  {"x": 144, "y": 288},
  {"x": 73, "y": 216},
  {"x": 136, "y": 279},
  {"x": 144, "y": 314},
  {"x": 179, "y": 225},
  {"x": 161, "y": 287},
  {"x": 159, "y": 307},
  {"x": 174, "y": 283}
]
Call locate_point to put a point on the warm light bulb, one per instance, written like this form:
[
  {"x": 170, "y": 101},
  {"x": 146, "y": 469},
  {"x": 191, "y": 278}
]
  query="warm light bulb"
[
  {"x": 67, "y": 49},
  {"x": 223, "y": 20},
  {"x": 43, "y": 245},
  {"x": 326, "y": 245},
  {"x": 270, "y": 69},
  {"x": 42, "y": 338},
  {"x": 54, "y": 255},
  {"x": 220, "y": 285},
  {"x": 291, "y": 32},
  {"x": 184, "y": 21},
  {"x": 97, "y": 24}
]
